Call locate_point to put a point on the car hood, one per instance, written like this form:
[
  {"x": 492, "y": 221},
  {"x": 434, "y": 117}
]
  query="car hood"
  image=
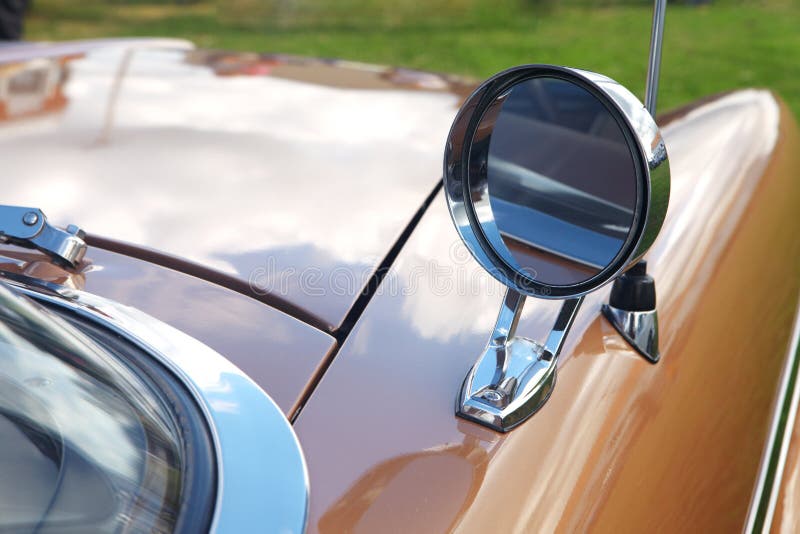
[{"x": 285, "y": 178}]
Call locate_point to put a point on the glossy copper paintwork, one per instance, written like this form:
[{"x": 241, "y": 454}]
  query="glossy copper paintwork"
[
  {"x": 289, "y": 176},
  {"x": 201, "y": 156},
  {"x": 623, "y": 445},
  {"x": 277, "y": 351}
]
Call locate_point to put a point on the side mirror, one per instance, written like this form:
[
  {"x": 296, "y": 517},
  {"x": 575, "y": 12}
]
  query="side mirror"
[{"x": 557, "y": 180}]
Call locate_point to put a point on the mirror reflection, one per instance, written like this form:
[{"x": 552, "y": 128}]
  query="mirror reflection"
[{"x": 561, "y": 182}]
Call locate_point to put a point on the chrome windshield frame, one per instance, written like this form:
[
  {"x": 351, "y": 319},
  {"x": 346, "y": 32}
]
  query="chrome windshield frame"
[{"x": 262, "y": 477}]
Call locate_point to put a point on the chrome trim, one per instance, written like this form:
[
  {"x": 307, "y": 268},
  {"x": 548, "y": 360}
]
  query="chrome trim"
[
  {"x": 514, "y": 376},
  {"x": 639, "y": 328},
  {"x": 770, "y": 475},
  {"x": 28, "y": 227},
  {"x": 555, "y": 341},
  {"x": 651, "y": 143},
  {"x": 654, "y": 60},
  {"x": 262, "y": 478}
]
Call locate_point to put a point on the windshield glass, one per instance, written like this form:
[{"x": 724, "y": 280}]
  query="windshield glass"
[{"x": 87, "y": 442}]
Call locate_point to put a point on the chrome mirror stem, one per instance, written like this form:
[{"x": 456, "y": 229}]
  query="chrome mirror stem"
[
  {"x": 514, "y": 376},
  {"x": 507, "y": 320},
  {"x": 555, "y": 341}
]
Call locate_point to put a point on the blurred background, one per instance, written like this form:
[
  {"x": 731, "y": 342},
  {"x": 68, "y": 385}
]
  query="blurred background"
[{"x": 710, "y": 46}]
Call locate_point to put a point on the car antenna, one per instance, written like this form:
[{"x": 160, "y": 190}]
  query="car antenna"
[
  {"x": 632, "y": 305},
  {"x": 654, "y": 62}
]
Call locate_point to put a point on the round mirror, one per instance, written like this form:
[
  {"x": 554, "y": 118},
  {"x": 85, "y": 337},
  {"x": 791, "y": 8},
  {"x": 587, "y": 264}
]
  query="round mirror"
[
  {"x": 549, "y": 175},
  {"x": 561, "y": 182}
]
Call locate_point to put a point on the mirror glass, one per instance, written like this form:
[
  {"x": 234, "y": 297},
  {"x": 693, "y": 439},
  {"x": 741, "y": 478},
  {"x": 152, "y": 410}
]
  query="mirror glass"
[{"x": 560, "y": 187}]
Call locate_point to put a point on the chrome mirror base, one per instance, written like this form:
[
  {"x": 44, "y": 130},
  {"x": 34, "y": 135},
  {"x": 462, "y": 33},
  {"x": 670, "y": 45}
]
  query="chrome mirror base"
[
  {"x": 514, "y": 398},
  {"x": 639, "y": 328},
  {"x": 514, "y": 376}
]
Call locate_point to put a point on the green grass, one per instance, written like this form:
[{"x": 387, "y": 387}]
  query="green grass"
[{"x": 708, "y": 49}]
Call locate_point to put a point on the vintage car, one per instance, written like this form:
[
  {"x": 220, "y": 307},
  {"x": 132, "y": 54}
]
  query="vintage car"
[{"x": 241, "y": 293}]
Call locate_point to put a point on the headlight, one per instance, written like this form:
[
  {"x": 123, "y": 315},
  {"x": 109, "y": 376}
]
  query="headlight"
[{"x": 94, "y": 435}]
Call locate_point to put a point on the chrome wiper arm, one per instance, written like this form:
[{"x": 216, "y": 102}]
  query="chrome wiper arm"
[{"x": 28, "y": 227}]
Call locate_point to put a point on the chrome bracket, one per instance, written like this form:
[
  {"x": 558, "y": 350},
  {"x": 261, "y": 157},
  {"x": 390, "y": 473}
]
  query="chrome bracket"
[
  {"x": 514, "y": 376},
  {"x": 639, "y": 328},
  {"x": 28, "y": 227}
]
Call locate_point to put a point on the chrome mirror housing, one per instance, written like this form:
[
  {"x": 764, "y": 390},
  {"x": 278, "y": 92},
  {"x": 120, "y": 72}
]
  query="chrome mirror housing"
[{"x": 557, "y": 181}]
